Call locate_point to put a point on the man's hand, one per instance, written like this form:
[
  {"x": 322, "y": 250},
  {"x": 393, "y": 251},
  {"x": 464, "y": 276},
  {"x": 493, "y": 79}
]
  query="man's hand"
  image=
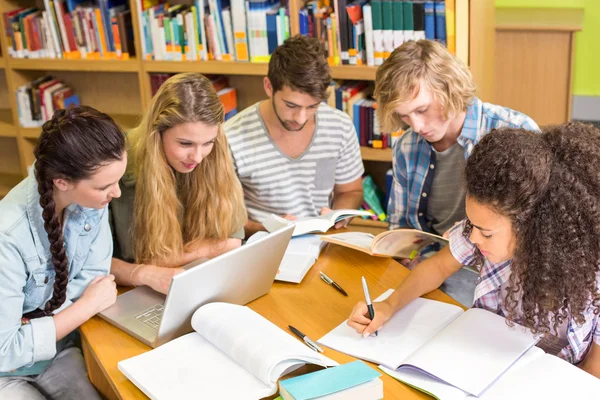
[{"x": 338, "y": 225}]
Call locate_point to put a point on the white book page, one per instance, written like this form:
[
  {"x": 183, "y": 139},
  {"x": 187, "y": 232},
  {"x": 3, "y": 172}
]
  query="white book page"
[
  {"x": 409, "y": 329},
  {"x": 547, "y": 377},
  {"x": 359, "y": 239},
  {"x": 294, "y": 267},
  {"x": 190, "y": 367},
  {"x": 252, "y": 341},
  {"x": 442, "y": 390},
  {"x": 477, "y": 338}
]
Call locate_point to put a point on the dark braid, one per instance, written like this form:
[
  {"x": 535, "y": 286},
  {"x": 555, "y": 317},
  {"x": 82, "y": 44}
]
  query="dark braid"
[{"x": 73, "y": 144}]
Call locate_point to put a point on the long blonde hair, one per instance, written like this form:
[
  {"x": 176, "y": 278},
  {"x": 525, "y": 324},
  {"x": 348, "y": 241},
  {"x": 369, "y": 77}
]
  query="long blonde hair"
[
  {"x": 174, "y": 211},
  {"x": 399, "y": 78}
]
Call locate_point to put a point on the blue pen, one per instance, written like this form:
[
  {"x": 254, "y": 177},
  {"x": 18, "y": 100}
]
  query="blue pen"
[{"x": 368, "y": 301}]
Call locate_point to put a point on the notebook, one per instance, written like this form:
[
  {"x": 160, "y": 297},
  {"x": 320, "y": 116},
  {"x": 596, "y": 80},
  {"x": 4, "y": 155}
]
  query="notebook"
[
  {"x": 301, "y": 254},
  {"x": 234, "y": 353},
  {"x": 440, "y": 340},
  {"x": 354, "y": 380},
  {"x": 527, "y": 379}
]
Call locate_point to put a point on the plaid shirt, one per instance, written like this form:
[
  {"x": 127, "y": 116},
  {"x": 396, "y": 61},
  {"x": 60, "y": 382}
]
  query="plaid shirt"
[
  {"x": 488, "y": 296},
  {"x": 414, "y": 161}
]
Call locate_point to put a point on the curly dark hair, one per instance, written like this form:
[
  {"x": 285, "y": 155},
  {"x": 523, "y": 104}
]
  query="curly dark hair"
[
  {"x": 73, "y": 144},
  {"x": 548, "y": 186}
]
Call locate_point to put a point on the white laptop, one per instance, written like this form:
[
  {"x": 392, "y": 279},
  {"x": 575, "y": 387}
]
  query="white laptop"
[{"x": 236, "y": 277}]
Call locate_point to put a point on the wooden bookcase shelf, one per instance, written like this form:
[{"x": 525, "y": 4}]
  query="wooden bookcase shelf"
[
  {"x": 122, "y": 88},
  {"x": 51, "y": 64}
]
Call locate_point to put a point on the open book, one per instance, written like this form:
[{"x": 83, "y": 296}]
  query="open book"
[
  {"x": 312, "y": 224},
  {"x": 468, "y": 350},
  {"x": 234, "y": 354},
  {"x": 398, "y": 243},
  {"x": 531, "y": 377}
]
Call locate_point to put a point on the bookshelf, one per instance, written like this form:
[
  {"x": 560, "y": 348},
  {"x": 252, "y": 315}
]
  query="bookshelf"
[{"x": 121, "y": 88}]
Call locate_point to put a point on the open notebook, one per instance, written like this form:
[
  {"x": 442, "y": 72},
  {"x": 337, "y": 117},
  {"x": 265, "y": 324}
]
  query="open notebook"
[
  {"x": 468, "y": 350},
  {"x": 234, "y": 354},
  {"x": 535, "y": 375}
]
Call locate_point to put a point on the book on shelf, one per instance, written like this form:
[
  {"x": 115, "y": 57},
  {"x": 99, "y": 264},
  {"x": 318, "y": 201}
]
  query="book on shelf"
[
  {"x": 219, "y": 30},
  {"x": 71, "y": 30},
  {"x": 216, "y": 361},
  {"x": 37, "y": 100},
  {"x": 439, "y": 342},
  {"x": 370, "y": 30},
  {"x": 351, "y": 381},
  {"x": 306, "y": 225},
  {"x": 396, "y": 243}
]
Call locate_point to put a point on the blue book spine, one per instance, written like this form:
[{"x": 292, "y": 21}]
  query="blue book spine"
[
  {"x": 272, "y": 32},
  {"x": 440, "y": 21},
  {"x": 356, "y": 117},
  {"x": 429, "y": 20},
  {"x": 338, "y": 98},
  {"x": 389, "y": 179}
]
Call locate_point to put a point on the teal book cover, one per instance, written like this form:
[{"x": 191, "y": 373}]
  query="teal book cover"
[{"x": 329, "y": 380}]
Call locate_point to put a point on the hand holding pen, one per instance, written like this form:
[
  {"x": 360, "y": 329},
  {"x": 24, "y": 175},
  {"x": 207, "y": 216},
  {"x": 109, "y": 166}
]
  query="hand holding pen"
[{"x": 368, "y": 301}]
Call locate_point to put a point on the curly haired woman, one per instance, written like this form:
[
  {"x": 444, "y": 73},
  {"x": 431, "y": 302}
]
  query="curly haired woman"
[
  {"x": 55, "y": 255},
  {"x": 181, "y": 198},
  {"x": 533, "y": 229}
]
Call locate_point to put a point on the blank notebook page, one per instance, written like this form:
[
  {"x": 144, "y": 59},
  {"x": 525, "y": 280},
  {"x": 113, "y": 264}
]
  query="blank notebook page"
[{"x": 405, "y": 332}]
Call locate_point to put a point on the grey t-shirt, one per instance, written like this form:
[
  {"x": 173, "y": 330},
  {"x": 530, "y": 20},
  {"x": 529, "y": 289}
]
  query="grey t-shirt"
[
  {"x": 446, "y": 204},
  {"x": 277, "y": 184},
  {"x": 121, "y": 221}
]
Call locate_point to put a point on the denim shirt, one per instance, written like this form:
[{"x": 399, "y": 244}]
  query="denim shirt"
[
  {"x": 27, "y": 274},
  {"x": 414, "y": 162}
]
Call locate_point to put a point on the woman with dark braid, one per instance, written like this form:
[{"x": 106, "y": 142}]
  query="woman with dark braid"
[
  {"x": 55, "y": 255},
  {"x": 533, "y": 230}
]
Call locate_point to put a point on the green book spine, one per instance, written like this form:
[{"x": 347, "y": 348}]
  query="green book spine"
[
  {"x": 388, "y": 17},
  {"x": 398, "y": 16},
  {"x": 376, "y": 7},
  {"x": 409, "y": 24}
]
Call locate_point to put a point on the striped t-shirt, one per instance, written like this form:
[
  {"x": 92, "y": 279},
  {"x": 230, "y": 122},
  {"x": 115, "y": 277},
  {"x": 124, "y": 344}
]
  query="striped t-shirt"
[{"x": 275, "y": 183}]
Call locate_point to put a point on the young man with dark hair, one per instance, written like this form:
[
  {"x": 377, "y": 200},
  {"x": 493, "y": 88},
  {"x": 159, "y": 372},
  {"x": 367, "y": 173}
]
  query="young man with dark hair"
[{"x": 295, "y": 156}]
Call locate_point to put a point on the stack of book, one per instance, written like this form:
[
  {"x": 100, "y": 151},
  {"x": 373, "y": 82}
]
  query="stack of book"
[
  {"x": 68, "y": 29},
  {"x": 355, "y": 99},
  {"x": 37, "y": 100},
  {"x": 227, "y": 95},
  {"x": 366, "y": 32},
  {"x": 225, "y": 30}
]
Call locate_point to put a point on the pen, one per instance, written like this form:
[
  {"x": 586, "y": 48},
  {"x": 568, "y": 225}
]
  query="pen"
[
  {"x": 330, "y": 281},
  {"x": 368, "y": 300},
  {"x": 306, "y": 339}
]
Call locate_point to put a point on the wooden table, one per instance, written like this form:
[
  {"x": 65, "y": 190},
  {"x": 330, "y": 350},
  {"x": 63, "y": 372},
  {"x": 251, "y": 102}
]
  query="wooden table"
[{"x": 312, "y": 305}]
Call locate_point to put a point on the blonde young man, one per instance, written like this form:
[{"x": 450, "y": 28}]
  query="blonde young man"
[
  {"x": 294, "y": 155},
  {"x": 425, "y": 87}
]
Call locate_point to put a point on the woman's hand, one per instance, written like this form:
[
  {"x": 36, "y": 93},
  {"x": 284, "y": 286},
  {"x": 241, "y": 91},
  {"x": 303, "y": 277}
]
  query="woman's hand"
[{"x": 360, "y": 321}]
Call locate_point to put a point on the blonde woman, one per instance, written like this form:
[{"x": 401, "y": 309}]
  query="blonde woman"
[{"x": 181, "y": 198}]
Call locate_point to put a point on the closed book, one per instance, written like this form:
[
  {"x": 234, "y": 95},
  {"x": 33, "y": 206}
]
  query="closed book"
[
  {"x": 429, "y": 20},
  {"x": 440, "y": 21},
  {"x": 419, "y": 21},
  {"x": 355, "y": 380},
  {"x": 409, "y": 20},
  {"x": 126, "y": 32},
  {"x": 398, "y": 24}
]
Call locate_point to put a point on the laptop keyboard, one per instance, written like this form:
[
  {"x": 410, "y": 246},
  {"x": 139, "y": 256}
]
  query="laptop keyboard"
[{"x": 152, "y": 316}]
